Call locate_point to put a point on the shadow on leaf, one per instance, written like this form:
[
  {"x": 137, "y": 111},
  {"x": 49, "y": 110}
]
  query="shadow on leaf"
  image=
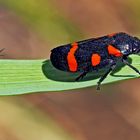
[{"x": 54, "y": 74}]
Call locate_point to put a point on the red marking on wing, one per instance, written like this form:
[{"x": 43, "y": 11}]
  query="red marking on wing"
[
  {"x": 111, "y": 35},
  {"x": 95, "y": 59},
  {"x": 72, "y": 63},
  {"x": 113, "y": 51}
]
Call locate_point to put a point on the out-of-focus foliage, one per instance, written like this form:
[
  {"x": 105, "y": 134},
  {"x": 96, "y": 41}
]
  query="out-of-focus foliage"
[
  {"x": 44, "y": 18},
  {"x": 24, "y": 122},
  {"x": 132, "y": 15}
]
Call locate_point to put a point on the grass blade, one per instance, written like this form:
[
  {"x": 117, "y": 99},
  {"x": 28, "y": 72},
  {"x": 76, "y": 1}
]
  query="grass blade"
[{"x": 27, "y": 76}]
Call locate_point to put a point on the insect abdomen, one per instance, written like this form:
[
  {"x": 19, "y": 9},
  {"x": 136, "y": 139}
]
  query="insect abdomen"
[
  {"x": 59, "y": 57},
  {"x": 73, "y": 57}
]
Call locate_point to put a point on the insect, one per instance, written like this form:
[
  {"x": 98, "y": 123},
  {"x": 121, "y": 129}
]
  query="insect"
[{"x": 96, "y": 53}]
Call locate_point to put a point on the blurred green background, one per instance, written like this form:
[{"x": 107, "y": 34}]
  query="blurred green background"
[{"x": 29, "y": 29}]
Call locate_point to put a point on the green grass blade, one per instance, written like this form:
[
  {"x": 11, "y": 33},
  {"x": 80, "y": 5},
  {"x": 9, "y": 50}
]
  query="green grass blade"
[{"x": 27, "y": 76}]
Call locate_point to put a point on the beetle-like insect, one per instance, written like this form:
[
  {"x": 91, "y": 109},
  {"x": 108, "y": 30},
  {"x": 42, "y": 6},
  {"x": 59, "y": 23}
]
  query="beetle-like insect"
[{"x": 95, "y": 54}]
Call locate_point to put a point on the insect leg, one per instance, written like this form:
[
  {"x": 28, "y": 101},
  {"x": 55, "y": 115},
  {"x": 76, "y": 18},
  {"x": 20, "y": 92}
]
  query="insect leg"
[
  {"x": 2, "y": 51},
  {"x": 81, "y": 76},
  {"x": 104, "y": 76},
  {"x": 128, "y": 64}
]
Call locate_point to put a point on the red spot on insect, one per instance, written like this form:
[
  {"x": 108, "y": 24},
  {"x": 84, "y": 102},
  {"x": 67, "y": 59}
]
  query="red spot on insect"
[
  {"x": 72, "y": 63},
  {"x": 111, "y": 35},
  {"x": 95, "y": 59},
  {"x": 113, "y": 51}
]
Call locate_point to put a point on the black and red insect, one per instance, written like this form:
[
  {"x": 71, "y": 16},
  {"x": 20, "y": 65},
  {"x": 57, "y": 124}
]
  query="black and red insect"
[{"x": 95, "y": 54}]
